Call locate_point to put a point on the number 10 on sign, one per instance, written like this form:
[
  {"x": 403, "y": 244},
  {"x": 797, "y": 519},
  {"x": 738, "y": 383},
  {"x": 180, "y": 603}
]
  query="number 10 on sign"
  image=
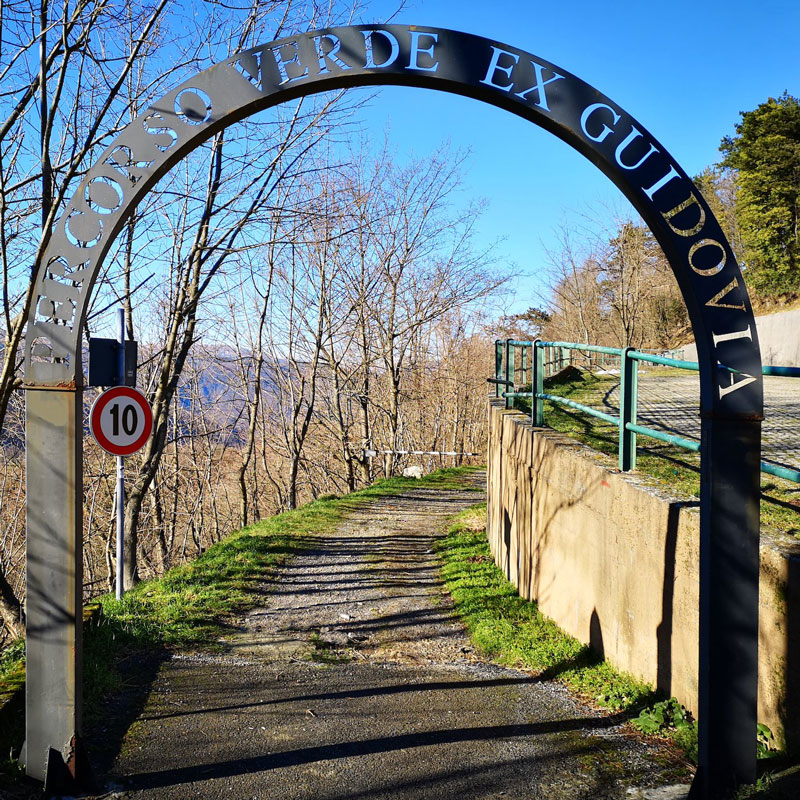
[{"x": 121, "y": 420}]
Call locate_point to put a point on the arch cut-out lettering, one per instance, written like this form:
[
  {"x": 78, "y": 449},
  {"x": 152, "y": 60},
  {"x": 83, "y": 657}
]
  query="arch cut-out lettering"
[{"x": 489, "y": 71}]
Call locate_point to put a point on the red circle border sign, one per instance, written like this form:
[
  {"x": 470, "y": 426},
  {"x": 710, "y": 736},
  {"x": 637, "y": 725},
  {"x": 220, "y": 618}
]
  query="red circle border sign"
[{"x": 99, "y": 406}]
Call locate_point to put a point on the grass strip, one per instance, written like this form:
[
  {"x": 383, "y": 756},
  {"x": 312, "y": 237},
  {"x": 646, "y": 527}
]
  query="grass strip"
[
  {"x": 191, "y": 604},
  {"x": 12, "y": 669},
  {"x": 513, "y": 632}
]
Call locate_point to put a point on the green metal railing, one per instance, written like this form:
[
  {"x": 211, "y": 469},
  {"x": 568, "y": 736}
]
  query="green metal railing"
[{"x": 538, "y": 359}]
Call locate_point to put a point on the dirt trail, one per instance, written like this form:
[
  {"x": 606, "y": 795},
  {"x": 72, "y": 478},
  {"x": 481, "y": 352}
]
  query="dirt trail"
[{"x": 355, "y": 681}]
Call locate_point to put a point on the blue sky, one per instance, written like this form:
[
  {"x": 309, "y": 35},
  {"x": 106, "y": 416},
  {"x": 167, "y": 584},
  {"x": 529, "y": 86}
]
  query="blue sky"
[{"x": 684, "y": 69}]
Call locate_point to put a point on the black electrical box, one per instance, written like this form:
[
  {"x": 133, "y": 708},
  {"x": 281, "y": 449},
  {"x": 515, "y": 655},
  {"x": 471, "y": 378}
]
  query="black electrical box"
[{"x": 103, "y": 361}]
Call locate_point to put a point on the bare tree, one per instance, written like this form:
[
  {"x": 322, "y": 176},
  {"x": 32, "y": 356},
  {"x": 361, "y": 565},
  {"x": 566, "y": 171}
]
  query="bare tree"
[
  {"x": 426, "y": 265},
  {"x": 250, "y": 369},
  {"x": 575, "y": 300}
]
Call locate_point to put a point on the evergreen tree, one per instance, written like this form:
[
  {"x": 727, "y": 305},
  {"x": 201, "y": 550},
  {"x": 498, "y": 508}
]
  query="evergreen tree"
[
  {"x": 765, "y": 152},
  {"x": 718, "y": 185}
]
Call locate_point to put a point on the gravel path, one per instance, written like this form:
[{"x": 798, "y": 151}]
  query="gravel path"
[{"x": 355, "y": 681}]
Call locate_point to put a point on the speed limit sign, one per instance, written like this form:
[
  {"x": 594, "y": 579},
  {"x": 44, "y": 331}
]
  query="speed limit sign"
[{"x": 121, "y": 420}]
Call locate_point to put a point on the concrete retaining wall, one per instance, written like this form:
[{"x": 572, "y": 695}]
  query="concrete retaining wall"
[
  {"x": 778, "y": 336},
  {"x": 614, "y": 562}
]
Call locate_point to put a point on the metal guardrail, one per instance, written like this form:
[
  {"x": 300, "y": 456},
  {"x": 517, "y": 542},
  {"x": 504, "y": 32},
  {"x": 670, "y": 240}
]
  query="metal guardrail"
[{"x": 540, "y": 359}]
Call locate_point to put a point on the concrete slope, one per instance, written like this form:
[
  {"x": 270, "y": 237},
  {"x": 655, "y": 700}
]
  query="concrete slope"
[{"x": 779, "y": 336}]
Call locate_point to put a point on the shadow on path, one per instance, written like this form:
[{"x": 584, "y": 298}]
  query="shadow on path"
[{"x": 356, "y": 680}]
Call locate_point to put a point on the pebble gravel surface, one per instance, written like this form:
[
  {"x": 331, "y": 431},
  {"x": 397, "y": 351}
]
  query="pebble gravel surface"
[
  {"x": 671, "y": 403},
  {"x": 355, "y": 680}
]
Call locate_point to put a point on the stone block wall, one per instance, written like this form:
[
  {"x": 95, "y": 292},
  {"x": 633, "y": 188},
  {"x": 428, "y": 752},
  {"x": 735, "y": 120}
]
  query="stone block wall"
[{"x": 614, "y": 562}]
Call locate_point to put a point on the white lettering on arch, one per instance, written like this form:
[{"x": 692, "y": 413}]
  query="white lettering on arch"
[
  {"x": 418, "y": 51},
  {"x": 605, "y": 131},
  {"x": 283, "y": 64},
  {"x": 621, "y": 148},
  {"x": 538, "y": 87},
  {"x": 369, "y": 47},
  {"x": 491, "y": 77},
  {"x": 734, "y": 385},
  {"x": 331, "y": 54}
]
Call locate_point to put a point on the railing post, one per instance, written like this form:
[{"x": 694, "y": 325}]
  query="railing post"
[
  {"x": 524, "y": 364},
  {"x": 628, "y": 396},
  {"x": 509, "y": 373},
  {"x": 537, "y": 385},
  {"x": 498, "y": 365}
]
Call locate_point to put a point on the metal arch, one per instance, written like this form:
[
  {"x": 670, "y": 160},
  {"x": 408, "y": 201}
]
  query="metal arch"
[{"x": 537, "y": 90}]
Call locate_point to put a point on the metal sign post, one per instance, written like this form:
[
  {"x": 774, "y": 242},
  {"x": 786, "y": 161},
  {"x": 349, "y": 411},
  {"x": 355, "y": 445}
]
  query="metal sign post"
[
  {"x": 121, "y": 422},
  {"x": 120, "y": 497}
]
